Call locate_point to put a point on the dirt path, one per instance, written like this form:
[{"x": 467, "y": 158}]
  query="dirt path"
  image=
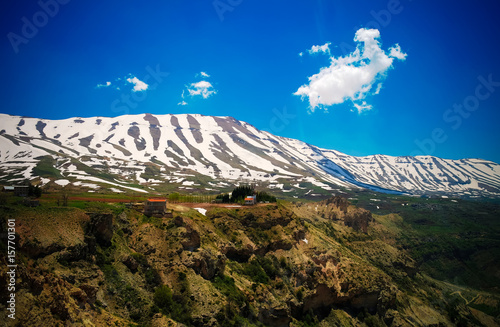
[
  {"x": 219, "y": 205},
  {"x": 111, "y": 200}
]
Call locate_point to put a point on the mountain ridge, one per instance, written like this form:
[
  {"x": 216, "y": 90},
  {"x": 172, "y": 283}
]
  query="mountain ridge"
[{"x": 148, "y": 149}]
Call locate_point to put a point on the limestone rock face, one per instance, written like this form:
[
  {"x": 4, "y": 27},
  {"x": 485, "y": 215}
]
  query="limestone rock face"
[
  {"x": 101, "y": 226},
  {"x": 339, "y": 202},
  {"x": 241, "y": 254},
  {"x": 131, "y": 263},
  {"x": 189, "y": 234},
  {"x": 205, "y": 263},
  {"x": 358, "y": 219}
]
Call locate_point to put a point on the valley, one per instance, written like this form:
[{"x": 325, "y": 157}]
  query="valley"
[{"x": 290, "y": 263}]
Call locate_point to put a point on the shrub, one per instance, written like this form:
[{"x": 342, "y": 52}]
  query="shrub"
[
  {"x": 152, "y": 277},
  {"x": 300, "y": 294},
  {"x": 270, "y": 266},
  {"x": 254, "y": 270},
  {"x": 177, "y": 305},
  {"x": 226, "y": 286},
  {"x": 163, "y": 298}
]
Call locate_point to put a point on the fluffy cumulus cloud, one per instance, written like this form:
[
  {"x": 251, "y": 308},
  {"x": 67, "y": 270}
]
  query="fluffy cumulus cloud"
[
  {"x": 352, "y": 77},
  {"x": 203, "y": 88},
  {"x": 138, "y": 84}
]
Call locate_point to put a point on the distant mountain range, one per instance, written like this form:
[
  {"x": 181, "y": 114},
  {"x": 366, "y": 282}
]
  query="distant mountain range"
[{"x": 157, "y": 153}]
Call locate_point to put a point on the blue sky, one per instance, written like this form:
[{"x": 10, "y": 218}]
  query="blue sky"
[{"x": 290, "y": 68}]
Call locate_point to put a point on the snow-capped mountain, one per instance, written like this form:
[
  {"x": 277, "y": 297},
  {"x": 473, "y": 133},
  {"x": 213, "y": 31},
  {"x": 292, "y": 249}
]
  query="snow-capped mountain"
[{"x": 144, "y": 152}]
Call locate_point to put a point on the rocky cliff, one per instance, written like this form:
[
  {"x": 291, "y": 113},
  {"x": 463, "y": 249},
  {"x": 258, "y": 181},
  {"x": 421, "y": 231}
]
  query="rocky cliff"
[{"x": 301, "y": 264}]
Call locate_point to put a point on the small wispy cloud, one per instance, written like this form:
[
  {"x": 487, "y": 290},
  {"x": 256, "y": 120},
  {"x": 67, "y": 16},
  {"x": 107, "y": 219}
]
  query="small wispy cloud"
[
  {"x": 351, "y": 78},
  {"x": 203, "y": 74},
  {"x": 182, "y": 103},
  {"x": 325, "y": 48},
  {"x": 103, "y": 85},
  {"x": 121, "y": 82},
  {"x": 138, "y": 84}
]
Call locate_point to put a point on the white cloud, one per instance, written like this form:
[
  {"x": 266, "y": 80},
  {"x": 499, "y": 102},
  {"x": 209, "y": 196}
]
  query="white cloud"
[
  {"x": 203, "y": 88},
  {"x": 362, "y": 106},
  {"x": 103, "y": 85},
  {"x": 325, "y": 48},
  {"x": 301, "y": 54},
  {"x": 351, "y": 78},
  {"x": 138, "y": 84},
  {"x": 396, "y": 52}
]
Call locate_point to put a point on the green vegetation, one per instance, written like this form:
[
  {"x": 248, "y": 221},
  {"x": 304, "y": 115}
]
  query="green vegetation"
[
  {"x": 226, "y": 286},
  {"x": 224, "y": 198},
  {"x": 236, "y": 306},
  {"x": 34, "y": 191},
  {"x": 151, "y": 171},
  {"x": 265, "y": 197},
  {"x": 45, "y": 167},
  {"x": 254, "y": 270},
  {"x": 190, "y": 198},
  {"x": 176, "y": 305},
  {"x": 241, "y": 192},
  {"x": 163, "y": 298},
  {"x": 458, "y": 242},
  {"x": 127, "y": 295}
]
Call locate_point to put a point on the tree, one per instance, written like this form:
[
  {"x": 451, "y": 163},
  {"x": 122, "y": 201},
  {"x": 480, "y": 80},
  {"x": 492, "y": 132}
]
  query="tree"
[
  {"x": 241, "y": 192},
  {"x": 264, "y": 196},
  {"x": 174, "y": 197},
  {"x": 35, "y": 191},
  {"x": 224, "y": 198}
]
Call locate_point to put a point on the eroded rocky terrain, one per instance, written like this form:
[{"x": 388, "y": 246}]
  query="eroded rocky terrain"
[{"x": 327, "y": 263}]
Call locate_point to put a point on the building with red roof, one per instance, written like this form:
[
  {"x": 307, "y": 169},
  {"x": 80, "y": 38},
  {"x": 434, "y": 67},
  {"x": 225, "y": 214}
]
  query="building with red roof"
[{"x": 155, "y": 206}]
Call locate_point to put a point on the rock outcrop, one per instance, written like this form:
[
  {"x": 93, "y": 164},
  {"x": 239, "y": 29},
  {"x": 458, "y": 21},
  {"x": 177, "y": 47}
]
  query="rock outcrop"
[
  {"x": 101, "y": 226},
  {"x": 205, "y": 263}
]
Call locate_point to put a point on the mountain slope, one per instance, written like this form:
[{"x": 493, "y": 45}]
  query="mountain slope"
[{"x": 206, "y": 151}]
